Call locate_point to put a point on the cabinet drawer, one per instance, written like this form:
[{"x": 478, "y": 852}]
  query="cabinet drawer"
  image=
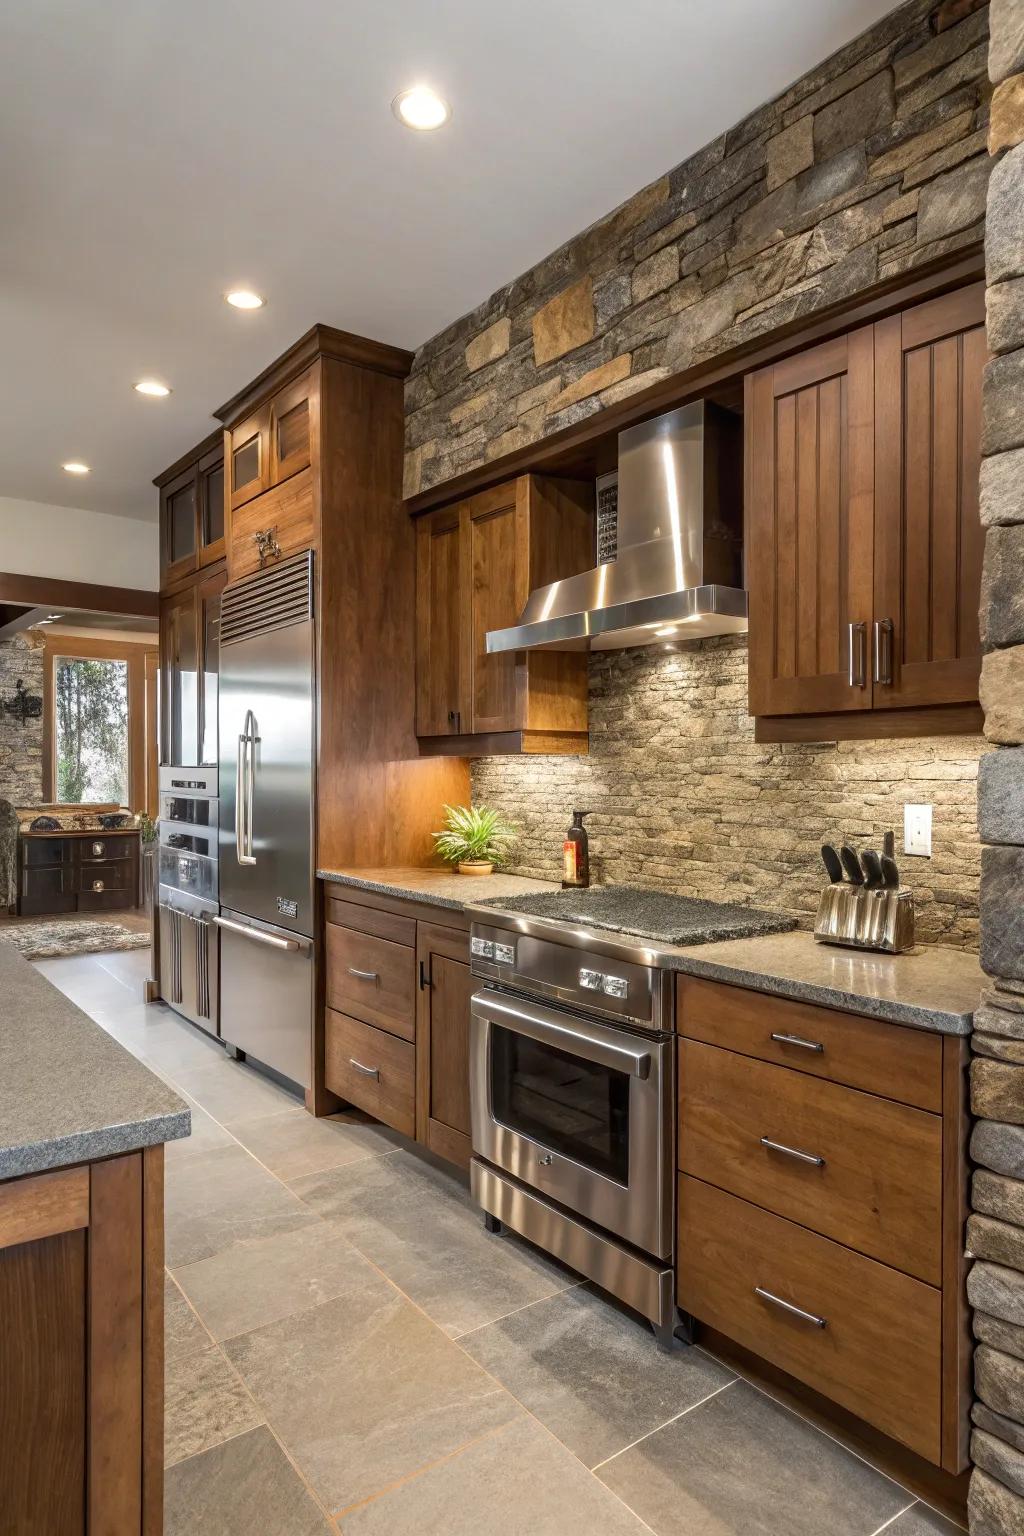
[
  {"x": 898, "y": 1063},
  {"x": 97, "y": 876},
  {"x": 879, "y": 1351},
  {"x": 871, "y": 1171},
  {"x": 372, "y": 979},
  {"x": 43, "y": 851},
  {"x": 371, "y": 1069},
  {"x": 386, "y": 925},
  {"x": 103, "y": 849}
]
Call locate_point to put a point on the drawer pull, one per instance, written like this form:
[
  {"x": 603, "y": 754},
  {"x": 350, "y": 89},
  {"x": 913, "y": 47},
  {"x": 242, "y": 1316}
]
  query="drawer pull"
[
  {"x": 806, "y": 1045},
  {"x": 802, "y": 1157},
  {"x": 366, "y": 1071},
  {"x": 363, "y": 975},
  {"x": 787, "y": 1306}
]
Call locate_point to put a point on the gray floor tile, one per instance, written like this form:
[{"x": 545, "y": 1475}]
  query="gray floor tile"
[
  {"x": 364, "y": 1390},
  {"x": 244, "y": 1487},
  {"x": 184, "y": 1334},
  {"x": 420, "y": 1226},
  {"x": 259, "y": 1280},
  {"x": 293, "y": 1144},
  {"x": 517, "y": 1482},
  {"x": 221, "y": 1197},
  {"x": 922, "y": 1521},
  {"x": 232, "y": 1090},
  {"x": 205, "y": 1402},
  {"x": 206, "y": 1135},
  {"x": 592, "y": 1373},
  {"x": 742, "y": 1465}
]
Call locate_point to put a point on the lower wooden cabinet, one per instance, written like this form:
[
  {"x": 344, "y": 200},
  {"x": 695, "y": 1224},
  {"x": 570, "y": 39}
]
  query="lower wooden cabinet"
[
  {"x": 372, "y": 1069},
  {"x": 442, "y": 1041}
]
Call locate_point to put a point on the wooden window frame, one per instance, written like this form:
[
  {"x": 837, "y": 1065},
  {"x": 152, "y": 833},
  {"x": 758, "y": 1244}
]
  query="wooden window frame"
[{"x": 141, "y": 659}]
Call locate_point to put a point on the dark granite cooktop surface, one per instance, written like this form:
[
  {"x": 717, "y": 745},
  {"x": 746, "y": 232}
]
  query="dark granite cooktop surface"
[{"x": 648, "y": 914}]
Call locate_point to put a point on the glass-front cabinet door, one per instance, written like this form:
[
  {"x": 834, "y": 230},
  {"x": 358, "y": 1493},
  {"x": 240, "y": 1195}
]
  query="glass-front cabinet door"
[
  {"x": 179, "y": 679},
  {"x": 211, "y": 506},
  {"x": 178, "y": 526}
]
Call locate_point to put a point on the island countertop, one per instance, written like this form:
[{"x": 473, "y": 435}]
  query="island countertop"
[{"x": 69, "y": 1093}]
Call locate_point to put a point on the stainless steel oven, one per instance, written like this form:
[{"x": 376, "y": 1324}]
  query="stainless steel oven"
[
  {"x": 572, "y": 1087},
  {"x": 189, "y": 894}
]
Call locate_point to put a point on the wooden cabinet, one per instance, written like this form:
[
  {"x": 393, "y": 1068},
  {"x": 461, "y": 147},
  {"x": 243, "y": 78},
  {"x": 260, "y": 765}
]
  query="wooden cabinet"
[
  {"x": 863, "y": 542},
  {"x": 477, "y": 563},
  {"x": 269, "y": 456},
  {"x": 822, "y": 1198},
  {"x": 78, "y": 871},
  {"x": 192, "y": 512},
  {"x": 442, "y": 1041},
  {"x": 210, "y": 471},
  {"x": 189, "y": 670}
]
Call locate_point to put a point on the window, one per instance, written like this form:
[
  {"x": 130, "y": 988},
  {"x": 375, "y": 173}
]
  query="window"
[{"x": 91, "y": 730}]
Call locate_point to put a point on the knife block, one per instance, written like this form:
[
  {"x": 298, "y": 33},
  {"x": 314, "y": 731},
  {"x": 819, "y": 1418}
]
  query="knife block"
[{"x": 866, "y": 918}]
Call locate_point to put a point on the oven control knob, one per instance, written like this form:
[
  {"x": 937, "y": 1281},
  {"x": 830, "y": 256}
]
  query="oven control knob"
[
  {"x": 505, "y": 954},
  {"x": 592, "y": 981},
  {"x": 615, "y": 986},
  {"x": 483, "y": 948}
]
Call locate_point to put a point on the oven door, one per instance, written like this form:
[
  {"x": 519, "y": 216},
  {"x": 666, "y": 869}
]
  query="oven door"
[{"x": 577, "y": 1110}]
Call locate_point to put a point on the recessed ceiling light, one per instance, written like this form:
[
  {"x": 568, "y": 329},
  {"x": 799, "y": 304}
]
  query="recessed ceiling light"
[
  {"x": 151, "y": 387},
  {"x": 75, "y": 468},
  {"x": 244, "y": 298},
  {"x": 420, "y": 107}
]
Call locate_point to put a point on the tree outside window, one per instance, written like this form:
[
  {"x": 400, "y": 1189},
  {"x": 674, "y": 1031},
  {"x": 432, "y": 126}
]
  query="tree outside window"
[{"x": 91, "y": 730}]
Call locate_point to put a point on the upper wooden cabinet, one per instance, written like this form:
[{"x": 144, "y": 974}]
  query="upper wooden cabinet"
[
  {"x": 477, "y": 562},
  {"x": 192, "y": 512},
  {"x": 274, "y": 442},
  {"x": 863, "y": 543}
]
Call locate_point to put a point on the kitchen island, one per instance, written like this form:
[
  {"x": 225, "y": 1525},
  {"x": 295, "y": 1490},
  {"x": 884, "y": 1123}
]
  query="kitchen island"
[{"x": 82, "y": 1128}]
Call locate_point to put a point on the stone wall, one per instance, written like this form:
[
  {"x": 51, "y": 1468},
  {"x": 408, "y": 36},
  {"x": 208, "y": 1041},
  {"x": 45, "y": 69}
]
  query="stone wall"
[
  {"x": 21, "y": 746},
  {"x": 995, "y": 1234},
  {"x": 683, "y": 799},
  {"x": 871, "y": 164}
]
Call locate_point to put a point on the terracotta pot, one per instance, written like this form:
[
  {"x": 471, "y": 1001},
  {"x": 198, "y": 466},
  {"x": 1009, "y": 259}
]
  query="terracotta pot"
[{"x": 476, "y": 867}]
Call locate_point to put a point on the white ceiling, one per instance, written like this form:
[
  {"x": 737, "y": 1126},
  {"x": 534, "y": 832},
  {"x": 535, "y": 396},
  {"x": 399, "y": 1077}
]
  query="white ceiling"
[{"x": 157, "y": 152}]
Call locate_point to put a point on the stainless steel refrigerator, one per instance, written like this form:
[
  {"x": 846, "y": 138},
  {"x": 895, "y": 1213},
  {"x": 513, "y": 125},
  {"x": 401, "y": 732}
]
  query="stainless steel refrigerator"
[{"x": 267, "y": 773}]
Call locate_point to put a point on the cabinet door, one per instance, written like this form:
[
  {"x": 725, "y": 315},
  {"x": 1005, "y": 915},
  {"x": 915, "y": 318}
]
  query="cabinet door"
[
  {"x": 442, "y": 1042},
  {"x": 249, "y": 457},
  {"x": 290, "y": 429},
  {"x": 179, "y": 679},
  {"x": 497, "y": 545},
  {"x": 928, "y": 536},
  {"x": 178, "y": 526},
  {"x": 809, "y": 467},
  {"x": 440, "y": 621},
  {"x": 208, "y": 595},
  {"x": 211, "y": 507}
]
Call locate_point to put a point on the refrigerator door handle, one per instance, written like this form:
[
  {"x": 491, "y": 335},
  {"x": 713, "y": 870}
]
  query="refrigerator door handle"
[
  {"x": 243, "y": 815},
  {"x": 252, "y": 730},
  {"x": 258, "y": 936}
]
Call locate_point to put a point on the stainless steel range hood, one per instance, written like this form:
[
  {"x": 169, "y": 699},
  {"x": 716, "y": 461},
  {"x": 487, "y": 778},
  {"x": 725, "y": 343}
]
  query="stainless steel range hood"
[{"x": 679, "y": 569}]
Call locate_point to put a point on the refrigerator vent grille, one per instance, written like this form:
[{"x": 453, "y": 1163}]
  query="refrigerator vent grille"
[{"x": 273, "y": 598}]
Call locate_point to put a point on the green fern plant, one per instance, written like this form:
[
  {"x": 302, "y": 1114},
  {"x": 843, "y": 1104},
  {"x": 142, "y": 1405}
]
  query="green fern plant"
[{"x": 473, "y": 834}]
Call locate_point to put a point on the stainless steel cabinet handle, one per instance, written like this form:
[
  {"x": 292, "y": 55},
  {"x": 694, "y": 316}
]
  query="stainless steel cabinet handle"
[
  {"x": 367, "y": 1071},
  {"x": 884, "y": 630},
  {"x": 256, "y": 934},
  {"x": 787, "y": 1306},
  {"x": 858, "y": 655},
  {"x": 806, "y": 1045},
  {"x": 802, "y": 1157},
  {"x": 363, "y": 975}
]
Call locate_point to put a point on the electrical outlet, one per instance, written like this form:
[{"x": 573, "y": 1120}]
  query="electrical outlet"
[{"x": 917, "y": 830}]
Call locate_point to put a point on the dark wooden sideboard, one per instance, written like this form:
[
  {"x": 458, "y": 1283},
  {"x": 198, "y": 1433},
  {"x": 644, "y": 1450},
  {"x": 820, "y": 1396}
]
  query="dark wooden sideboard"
[{"x": 75, "y": 871}]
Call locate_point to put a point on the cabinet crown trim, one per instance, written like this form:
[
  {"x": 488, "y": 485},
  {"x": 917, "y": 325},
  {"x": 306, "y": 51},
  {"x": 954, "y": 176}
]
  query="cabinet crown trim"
[{"x": 319, "y": 341}]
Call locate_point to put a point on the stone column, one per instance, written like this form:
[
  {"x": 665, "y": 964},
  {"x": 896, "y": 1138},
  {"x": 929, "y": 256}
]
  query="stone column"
[{"x": 995, "y": 1231}]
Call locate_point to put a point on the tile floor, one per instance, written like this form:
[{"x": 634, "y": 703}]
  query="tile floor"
[{"x": 348, "y": 1350}]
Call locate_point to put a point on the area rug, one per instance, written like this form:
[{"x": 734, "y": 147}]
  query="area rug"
[{"x": 44, "y": 940}]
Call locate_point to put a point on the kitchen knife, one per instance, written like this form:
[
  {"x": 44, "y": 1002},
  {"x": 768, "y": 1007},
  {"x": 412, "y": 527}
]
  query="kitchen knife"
[
  {"x": 888, "y": 844},
  {"x": 833, "y": 863},
  {"x": 890, "y": 872},
  {"x": 851, "y": 865},
  {"x": 872, "y": 867}
]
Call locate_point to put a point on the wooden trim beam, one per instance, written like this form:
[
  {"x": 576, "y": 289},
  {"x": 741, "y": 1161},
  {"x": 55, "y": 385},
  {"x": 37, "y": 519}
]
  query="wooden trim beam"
[{"x": 41, "y": 591}]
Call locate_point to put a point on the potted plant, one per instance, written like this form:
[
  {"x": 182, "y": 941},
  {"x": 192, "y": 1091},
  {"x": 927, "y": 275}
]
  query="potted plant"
[{"x": 474, "y": 839}]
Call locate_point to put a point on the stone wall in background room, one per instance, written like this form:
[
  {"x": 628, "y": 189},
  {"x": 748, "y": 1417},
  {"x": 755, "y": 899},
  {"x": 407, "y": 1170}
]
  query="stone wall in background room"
[
  {"x": 995, "y": 1232},
  {"x": 870, "y": 165},
  {"x": 683, "y": 799},
  {"x": 21, "y": 746}
]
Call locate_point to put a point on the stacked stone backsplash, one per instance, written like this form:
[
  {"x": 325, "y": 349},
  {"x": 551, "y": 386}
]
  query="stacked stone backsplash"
[
  {"x": 21, "y": 746},
  {"x": 683, "y": 799},
  {"x": 995, "y": 1234},
  {"x": 868, "y": 166}
]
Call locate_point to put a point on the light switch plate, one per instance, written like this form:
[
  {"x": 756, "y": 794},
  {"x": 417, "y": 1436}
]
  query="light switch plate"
[{"x": 917, "y": 830}]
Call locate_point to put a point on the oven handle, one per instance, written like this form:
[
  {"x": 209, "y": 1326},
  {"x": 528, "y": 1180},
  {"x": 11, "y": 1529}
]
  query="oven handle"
[{"x": 578, "y": 1038}]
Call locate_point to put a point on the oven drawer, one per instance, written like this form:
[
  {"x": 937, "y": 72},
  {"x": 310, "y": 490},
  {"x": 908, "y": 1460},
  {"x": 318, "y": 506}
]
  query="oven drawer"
[
  {"x": 372, "y": 979},
  {"x": 879, "y": 1351},
  {"x": 897, "y": 1063},
  {"x": 857, "y": 1168},
  {"x": 371, "y": 1069}
]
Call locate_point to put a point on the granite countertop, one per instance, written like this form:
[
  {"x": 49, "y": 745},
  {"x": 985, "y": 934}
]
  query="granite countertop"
[
  {"x": 649, "y": 915},
  {"x": 437, "y": 887},
  {"x": 928, "y": 988},
  {"x": 68, "y": 1091}
]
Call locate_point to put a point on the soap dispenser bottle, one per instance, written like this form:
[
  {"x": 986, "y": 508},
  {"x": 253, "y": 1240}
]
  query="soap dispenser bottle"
[{"x": 576, "y": 855}]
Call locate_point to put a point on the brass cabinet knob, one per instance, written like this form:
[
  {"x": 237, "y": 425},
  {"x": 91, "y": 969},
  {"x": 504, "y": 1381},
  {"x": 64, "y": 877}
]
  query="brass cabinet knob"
[
  {"x": 98, "y": 850},
  {"x": 97, "y": 885}
]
